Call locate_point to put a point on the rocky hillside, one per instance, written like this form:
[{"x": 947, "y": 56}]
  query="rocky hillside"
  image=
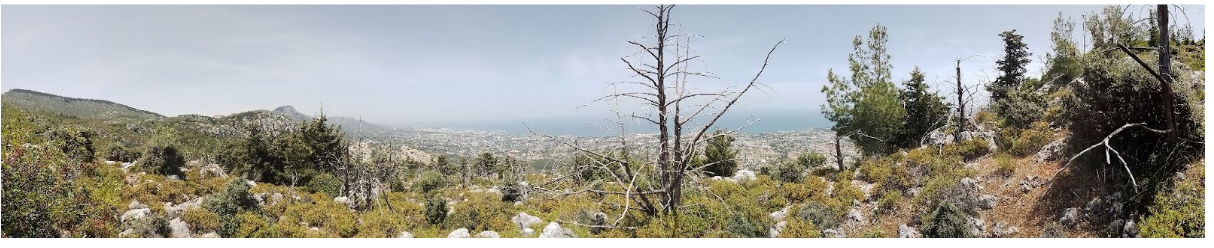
[{"x": 78, "y": 107}]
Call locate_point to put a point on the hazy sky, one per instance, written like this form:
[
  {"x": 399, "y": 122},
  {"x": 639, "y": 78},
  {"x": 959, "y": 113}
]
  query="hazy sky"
[{"x": 403, "y": 64}]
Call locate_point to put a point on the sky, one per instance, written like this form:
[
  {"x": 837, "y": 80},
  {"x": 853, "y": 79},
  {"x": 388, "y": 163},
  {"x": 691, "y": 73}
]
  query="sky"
[{"x": 467, "y": 64}]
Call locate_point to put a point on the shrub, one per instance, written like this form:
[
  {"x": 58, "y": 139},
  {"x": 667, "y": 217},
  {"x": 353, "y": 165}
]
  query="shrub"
[
  {"x": 1004, "y": 165},
  {"x": 1179, "y": 212},
  {"x": 512, "y": 191},
  {"x": 436, "y": 210},
  {"x": 798, "y": 228},
  {"x": 162, "y": 159},
  {"x": 1117, "y": 91},
  {"x": 970, "y": 149},
  {"x": 481, "y": 212},
  {"x": 1022, "y": 107},
  {"x": 200, "y": 220},
  {"x": 820, "y": 214},
  {"x": 718, "y": 155},
  {"x": 430, "y": 181},
  {"x": 250, "y": 225},
  {"x": 326, "y": 184},
  {"x": 122, "y": 153},
  {"x": 874, "y": 233},
  {"x": 155, "y": 226},
  {"x": 787, "y": 172},
  {"x": 1026, "y": 142},
  {"x": 846, "y": 193},
  {"x": 77, "y": 145},
  {"x": 889, "y": 201},
  {"x": 741, "y": 226},
  {"x": 947, "y": 221},
  {"x": 324, "y": 213},
  {"x": 811, "y": 160},
  {"x": 234, "y": 199}
]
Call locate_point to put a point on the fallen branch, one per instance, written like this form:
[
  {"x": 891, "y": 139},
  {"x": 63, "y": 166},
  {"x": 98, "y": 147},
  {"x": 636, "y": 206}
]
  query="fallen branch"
[{"x": 1108, "y": 147}]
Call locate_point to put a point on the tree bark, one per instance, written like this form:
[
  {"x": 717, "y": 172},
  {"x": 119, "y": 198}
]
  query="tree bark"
[
  {"x": 960, "y": 106},
  {"x": 1165, "y": 67}
]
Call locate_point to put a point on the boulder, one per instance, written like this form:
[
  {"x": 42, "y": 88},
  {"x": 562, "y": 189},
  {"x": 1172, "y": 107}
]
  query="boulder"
[
  {"x": 251, "y": 183},
  {"x": 1050, "y": 151},
  {"x": 774, "y": 232},
  {"x": 743, "y": 175},
  {"x": 905, "y": 231},
  {"x": 779, "y": 215},
  {"x": 212, "y": 170},
  {"x": 979, "y": 227},
  {"x": 854, "y": 218},
  {"x": 971, "y": 185},
  {"x": 180, "y": 228},
  {"x": 1070, "y": 216},
  {"x": 1002, "y": 230},
  {"x": 1029, "y": 183},
  {"x": 172, "y": 177},
  {"x": 459, "y": 233},
  {"x": 987, "y": 201},
  {"x": 528, "y": 232},
  {"x": 405, "y": 235},
  {"x": 488, "y": 234},
  {"x": 1130, "y": 230},
  {"x": 275, "y": 198},
  {"x": 344, "y": 200},
  {"x": 210, "y": 235},
  {"x": 127, "y": 232},
  {"x": 136, "y": 205},
  {"x": 135, "y": 214},
  {"x": 175, "y": 211},
  {"x": 524, "y": 220},
  {"x": 261, "y": 199},
  {"x": 554, "y": 230}
]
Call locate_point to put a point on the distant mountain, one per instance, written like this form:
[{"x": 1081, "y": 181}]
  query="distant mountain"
[
  {"x": 78, "y": 107},
  {"x": 351, "y": 125}
]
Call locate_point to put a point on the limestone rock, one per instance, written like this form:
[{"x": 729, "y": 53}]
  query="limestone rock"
[
  {"x": 180, "y": 228},
  {"x": 210, "y": 235},
  {"x": 743, "y": 175},
  {"x": 459, "y": 233},
  {"x": 524, "y": 220},
  {"x": 488, "y": 234},
  {"x": 1002, "y": 230},
  {"x": 834, "y": 233},
  {"x": 774, "y": 232},
  {"x": 554, "y": 230},
  {"x": 135, "y": 214},
  {"x": 405, "y": 235},
  {"x": 854, "y": 218},
  {"x": 136, "y": 205},
  {"x": 212, "y": 170},
  {"x": 905, "y": 231},
  {"x": 1070, "y": 216}
]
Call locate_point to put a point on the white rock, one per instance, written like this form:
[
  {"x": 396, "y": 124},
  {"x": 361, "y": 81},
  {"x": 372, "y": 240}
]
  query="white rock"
[
  {"x": 774, "y": 232},
  {"x": 134, "y": 214},
  {"x": 459, "y": 233},
  {"x": 175, "y": 211},
  {"x": 275, "y": 198},
  {"x": 524, "y": 220},
  {"x": 528, "y": 232},
  {"x": 180, "y": 228},
  {"x": 136, "y": 205},
  {"x": 554, "y": 230},
  {"x": 834, "y": 233},
  {"x": 854, "y": 218},
  {"x": 905, "y": 231},
  {"x": 1003, "y": 230},
  {"x": 1070, "y": 216},
  {"x": 743, "y": 175},
  {"x": 405, "y": 235},
  {"x": 488, "y": 234},
  {"x": 779, "y": 215},
  {"x": 210, "y": 235}
]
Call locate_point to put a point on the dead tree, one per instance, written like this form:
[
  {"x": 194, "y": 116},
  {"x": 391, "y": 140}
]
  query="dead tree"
[
  {"x": 960, "y": 106},
  {"x": 680, "y": 114}
]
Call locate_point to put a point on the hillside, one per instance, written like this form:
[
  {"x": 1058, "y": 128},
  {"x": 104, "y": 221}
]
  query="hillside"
[{"x": 77, "y": 107}]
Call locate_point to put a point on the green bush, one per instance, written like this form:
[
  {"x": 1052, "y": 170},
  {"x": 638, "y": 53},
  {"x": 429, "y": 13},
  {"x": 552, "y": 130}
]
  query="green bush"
[
  {"x": 1026, "y": 142},
  {"x": 721, "y": 159},
  {"x": 430, "y": 181},
  {"x": 798, "y": 228},
  {"x": 326, "y": 184},
  {"x": 162, "y": 159},
  {"x": 512, "y": 191},
  {"x": 481, "y": 212},
  {"x": 151, "y": 226},
  {"x": 233, "y": 200},
  {"x": 787, "y": 172},
  {"x": 820, "y": 214},
  {"x": 436, "y": 210},
  {"x": 889, "y": 201},
  {"x": 1179, "y": 212},
  {"x": 122, "y": 153},
  {"x": 970, "y": 149},
  {"x": 739, "y": 226},
  {"x": 78, "y": 145},
  {"x": 1004, "y": 165},
  {"x": 201, "y": 221},
  {"x": 947, "y": 221}
]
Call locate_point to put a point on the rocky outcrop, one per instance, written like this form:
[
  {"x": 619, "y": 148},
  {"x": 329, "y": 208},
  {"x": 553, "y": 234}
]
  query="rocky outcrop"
[
  {"x": 459, "y": 233},
  {"x": 136, "y": 205},
  {"x": 180, "y": 229},
  {"x": 175, "y": 211},
  {"x": 135, "y": 214},
  {"x": 905, "y": 231},
  {"x": 212, "y": 170},
  {"x": 854, "y": 218},
  {"x": 1070, "y": 216},
  {"x": 1002, "y": 230},
  {"x": 1050, "y": 151},
  {"x": 987, "y": 202},
  {"x": 525, "y": 221},
  {"x": 488, "y": 234},
  {"x": 554, "y": 230}
]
